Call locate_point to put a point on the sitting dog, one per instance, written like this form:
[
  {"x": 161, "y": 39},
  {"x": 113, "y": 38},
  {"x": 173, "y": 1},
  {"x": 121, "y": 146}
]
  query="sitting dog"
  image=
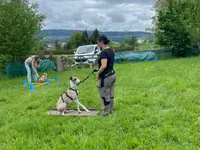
[
  {"x": 70, "y": 96},
  {"x": 43, "y": 78}
]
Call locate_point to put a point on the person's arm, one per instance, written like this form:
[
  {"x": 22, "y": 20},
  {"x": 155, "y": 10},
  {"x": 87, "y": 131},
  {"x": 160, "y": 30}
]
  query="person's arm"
[
  {"x": 103, "y": 66},
  {"x": 34, "y": 67}
]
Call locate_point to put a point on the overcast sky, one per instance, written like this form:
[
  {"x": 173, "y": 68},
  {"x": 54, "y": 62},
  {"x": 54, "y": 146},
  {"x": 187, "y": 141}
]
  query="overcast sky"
[{"x": 105, "y": 15}]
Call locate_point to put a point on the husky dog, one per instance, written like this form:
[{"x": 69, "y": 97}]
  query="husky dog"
[{"x": 70, "y": 96}]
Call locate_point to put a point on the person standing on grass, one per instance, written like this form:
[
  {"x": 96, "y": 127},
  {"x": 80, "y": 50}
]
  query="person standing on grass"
[
  {"x": 106, "y": 75},
  {"x": 31, "y": 64}
]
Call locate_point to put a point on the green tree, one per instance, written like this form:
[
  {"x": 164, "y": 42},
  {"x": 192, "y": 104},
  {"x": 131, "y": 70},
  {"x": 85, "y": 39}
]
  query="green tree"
[
  {"x": 65, "y": 47},
  {"x": 177, "y": 24},
  {"x": 122, "y": 45},
  {"x": 131, "y": 41},
  {"x": 151, "y": 41},
  {"x": 145, "y": 41},
  {"x": 19, "y": 24},
  {"x": 94, "y": 36},
  {"x": 84, "y": 38},
  {"x": 57, "y": 45},
  {"x": 76, "y": 39},
  {"x": 191, "y": 18},
  {"x": 69, "y": 45}
]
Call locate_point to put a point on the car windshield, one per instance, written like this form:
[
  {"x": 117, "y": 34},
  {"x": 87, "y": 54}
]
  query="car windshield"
[{"x": 85, "y": 49}]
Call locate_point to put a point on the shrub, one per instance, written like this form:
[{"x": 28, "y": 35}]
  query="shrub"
[{"x": 3, "y": 60}]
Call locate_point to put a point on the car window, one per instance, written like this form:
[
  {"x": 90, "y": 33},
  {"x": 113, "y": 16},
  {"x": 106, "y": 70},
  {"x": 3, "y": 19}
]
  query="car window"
[{"x": 85, "y": 49}]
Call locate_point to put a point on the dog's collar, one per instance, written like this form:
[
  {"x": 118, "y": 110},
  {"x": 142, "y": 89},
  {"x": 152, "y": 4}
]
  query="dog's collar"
[{"x": 74, "y": 90}]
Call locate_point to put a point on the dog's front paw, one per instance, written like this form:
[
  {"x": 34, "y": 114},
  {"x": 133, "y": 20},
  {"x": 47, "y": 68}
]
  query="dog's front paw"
[{"x": 87, "y": 111}]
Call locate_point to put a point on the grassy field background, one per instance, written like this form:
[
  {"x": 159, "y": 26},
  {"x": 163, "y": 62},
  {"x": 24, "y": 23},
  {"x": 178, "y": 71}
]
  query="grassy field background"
[{"x": 157, "y": 106}]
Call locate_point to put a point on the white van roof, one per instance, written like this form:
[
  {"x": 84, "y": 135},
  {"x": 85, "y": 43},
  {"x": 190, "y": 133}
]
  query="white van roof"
[{"x": 88, "y": 45}]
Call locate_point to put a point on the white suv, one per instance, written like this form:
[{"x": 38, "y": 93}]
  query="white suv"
[{"x": 86, "y": 54}]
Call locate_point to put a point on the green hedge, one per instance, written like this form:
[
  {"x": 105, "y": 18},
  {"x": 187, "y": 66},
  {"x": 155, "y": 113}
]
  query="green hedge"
[
  {"x": 3, "y": 60},
  {"x": 57, "y": 52},
  {"x": 121, "y": 49}
]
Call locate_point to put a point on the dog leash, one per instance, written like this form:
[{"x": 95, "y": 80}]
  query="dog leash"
[{"x": 95, "y": 70}]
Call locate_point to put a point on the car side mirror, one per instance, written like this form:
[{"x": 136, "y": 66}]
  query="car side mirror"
[{"x": 96, "y": 51}]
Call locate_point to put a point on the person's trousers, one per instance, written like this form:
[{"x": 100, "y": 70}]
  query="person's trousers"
[
  {"x": 28, "y": 69},
  {"x": 106, "y": 91}
]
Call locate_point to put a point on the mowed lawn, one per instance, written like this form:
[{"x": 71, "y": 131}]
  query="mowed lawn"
[{"x": 157, "y": 106}]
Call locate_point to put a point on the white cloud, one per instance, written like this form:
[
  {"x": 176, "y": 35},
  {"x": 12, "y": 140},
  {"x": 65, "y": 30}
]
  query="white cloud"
[{"x": 115, "y": 15}]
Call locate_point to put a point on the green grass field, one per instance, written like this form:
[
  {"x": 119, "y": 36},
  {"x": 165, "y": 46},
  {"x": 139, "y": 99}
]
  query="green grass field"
[
  {"x": 148, "y": 46},
  {"x": 157, "y": 106}
]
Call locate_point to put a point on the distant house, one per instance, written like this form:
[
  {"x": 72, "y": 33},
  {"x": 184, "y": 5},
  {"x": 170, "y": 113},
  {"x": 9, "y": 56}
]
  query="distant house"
[
  {"x": 139, "y": 41},
  {"x": 62, "y": 44},
  {"x": 49, "y": 46}
]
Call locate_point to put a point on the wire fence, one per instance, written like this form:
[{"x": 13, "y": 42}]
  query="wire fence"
[{"x": 81, "y": 61}]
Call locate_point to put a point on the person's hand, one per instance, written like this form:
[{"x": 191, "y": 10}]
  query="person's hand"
[
  {"x": 97, "y": 76},
  {"x": 37, "y": 76}
]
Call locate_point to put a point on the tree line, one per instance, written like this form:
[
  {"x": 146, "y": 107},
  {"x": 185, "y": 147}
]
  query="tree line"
[
  {"x": 78, "y": 39},
  {"x": 177, "y": 26},
  {"x": 82, "y": 38}
]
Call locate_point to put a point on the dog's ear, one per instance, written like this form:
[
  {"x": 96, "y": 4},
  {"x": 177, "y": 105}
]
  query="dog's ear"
[{"x": 73, "y": 78}]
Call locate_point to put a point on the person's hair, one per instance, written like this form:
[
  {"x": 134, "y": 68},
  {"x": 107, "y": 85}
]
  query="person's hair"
[
  {"x": 104, "y": 39},
  {"x": 37, "y": 59}
]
